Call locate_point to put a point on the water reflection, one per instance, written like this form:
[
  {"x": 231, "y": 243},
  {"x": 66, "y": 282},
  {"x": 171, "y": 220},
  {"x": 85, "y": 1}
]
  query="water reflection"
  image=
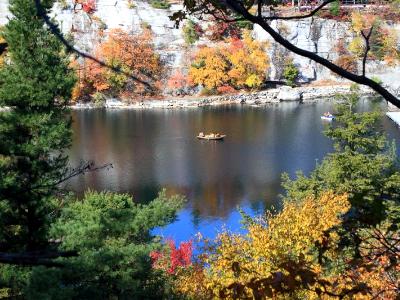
[{"x": 151, "y": 149}]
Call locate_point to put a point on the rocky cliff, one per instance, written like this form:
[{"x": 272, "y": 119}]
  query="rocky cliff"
[{"x": 317, "y": 35}]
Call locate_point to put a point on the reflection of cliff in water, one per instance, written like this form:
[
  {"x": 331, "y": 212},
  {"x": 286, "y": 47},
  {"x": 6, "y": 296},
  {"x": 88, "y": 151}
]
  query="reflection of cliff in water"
[{"x": 151, "y": 149}]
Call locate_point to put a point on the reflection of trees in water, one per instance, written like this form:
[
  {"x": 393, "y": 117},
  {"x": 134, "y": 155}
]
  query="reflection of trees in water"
[
  {"x": 244, "y": 124},
  {"x": 218, "y": 199},
  {"x": 155, "y": 149},
  {"x": 151, "y": 150}
]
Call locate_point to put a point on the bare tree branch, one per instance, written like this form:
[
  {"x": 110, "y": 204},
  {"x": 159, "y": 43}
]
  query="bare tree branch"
[
  {"x": 35, "y": 258},
  {"x": 367, "y": 48},
  {"x": 239, "y": 9},
  {"x": 83, "y": 168},
  {"x": 297, "y": 17}
]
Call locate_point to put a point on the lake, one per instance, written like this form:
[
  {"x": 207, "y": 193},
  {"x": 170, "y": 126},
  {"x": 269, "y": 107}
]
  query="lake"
[{"x": 155, "y": 149}]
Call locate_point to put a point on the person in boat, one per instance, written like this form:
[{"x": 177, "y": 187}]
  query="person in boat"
[{"x": 201, "y": 134}]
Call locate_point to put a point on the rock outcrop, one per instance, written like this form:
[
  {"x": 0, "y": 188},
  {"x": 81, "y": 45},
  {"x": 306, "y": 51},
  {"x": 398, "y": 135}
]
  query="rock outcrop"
[
  {"x": 289, "y": 94},
  {"x": 313, "y": 34},
  {"x": 271, "y": 96}
]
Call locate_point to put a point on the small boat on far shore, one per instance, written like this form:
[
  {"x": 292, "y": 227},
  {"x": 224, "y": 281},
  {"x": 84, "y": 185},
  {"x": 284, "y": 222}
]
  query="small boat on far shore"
[{"x": 211, "y": 136}]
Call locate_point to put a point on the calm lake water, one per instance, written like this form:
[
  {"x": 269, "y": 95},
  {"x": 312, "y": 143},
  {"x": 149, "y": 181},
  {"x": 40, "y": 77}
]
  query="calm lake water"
[{"x": 154, "y": 149}]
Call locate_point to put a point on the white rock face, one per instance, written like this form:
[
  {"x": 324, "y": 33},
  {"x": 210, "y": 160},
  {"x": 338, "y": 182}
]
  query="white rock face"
[
  {"x": 113, "y": 14},
  {"x": 316, "y": 35},
  {"x": 112, "y": 103},
  {"x": 289, "y": 94},
  {"x": 4, "y": 13}
]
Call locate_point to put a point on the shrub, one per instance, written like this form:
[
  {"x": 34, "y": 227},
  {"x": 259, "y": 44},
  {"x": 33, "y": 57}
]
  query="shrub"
[
  {"x": 145, "y": 25},
  {"x": 290, "y": 73},
  {"x": 89, "y": 6},
  {"x": 131, "y": 4},
  {"x": 225, "y": 89},
  {"x": 337, "y": 230},
  {"x": 207, "y": 92},
  {"x": 218, "y": 31},
  {"x": 244, "y": 24},
  {"x": 377, "y": 79},
  {"x": 253, "y": 81},
  {"x": 347, "y": 62},
  {"x": 357, "y": 46},
  {"x": 335, "y": 8},
  {"x": 177, "y": 83},
  {"x": 99, "y": 99},
  {"x": 64, "y": 5},
  {"x": 190, "y": 34},
  {"x": 171, "y": 258},
  {"x": 160, "y": 4}
]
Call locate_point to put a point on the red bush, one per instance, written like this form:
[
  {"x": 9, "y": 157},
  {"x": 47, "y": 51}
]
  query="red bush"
[
  {"x": 177, "y": 81},
  {"x": 220, "y": 30},
  {"x": 172, "y": 258},
  {"x": 225, "y": 89},
  {"x": 89, "y": 6}
]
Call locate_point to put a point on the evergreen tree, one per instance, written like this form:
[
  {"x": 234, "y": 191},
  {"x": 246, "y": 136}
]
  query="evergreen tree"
[
  {"x": 364, "y": 165},
  {"x": 190, "y": 34},
  {"x": 113, "y": 237},
  {"x": 36, "y": 84}
]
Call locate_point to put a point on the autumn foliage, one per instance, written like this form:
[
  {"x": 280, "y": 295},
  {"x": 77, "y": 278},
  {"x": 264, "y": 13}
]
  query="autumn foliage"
[
  {"x": 346, "y": 59},
  {"x": 133, "y": 55},
  {"x": 238, "y": 64},
  {"x": 277, "y": 255},
  {"x": 177, "y": 82},
  {"x": 88, "y": 6},
  {"x": 295, "y": 254},
  {"x": 218, "y": 31},
  {"x": 383, "y": 41},
  {"x": 172, "y": 258}
]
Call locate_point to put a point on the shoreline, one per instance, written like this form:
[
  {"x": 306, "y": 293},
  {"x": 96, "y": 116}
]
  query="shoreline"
[{"x": 265, "y": 97}]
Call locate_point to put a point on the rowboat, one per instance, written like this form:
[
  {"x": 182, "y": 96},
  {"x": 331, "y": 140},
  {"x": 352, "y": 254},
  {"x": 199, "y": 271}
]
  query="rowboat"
[
  {"x": 211, "y": 137},
  {"x": 327, "y": 117},
  {"x": 330, "y": 118}
]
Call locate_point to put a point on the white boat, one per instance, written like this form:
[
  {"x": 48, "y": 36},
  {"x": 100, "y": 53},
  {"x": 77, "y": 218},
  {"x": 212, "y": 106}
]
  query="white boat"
[{"x": 328, "y": 117}]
